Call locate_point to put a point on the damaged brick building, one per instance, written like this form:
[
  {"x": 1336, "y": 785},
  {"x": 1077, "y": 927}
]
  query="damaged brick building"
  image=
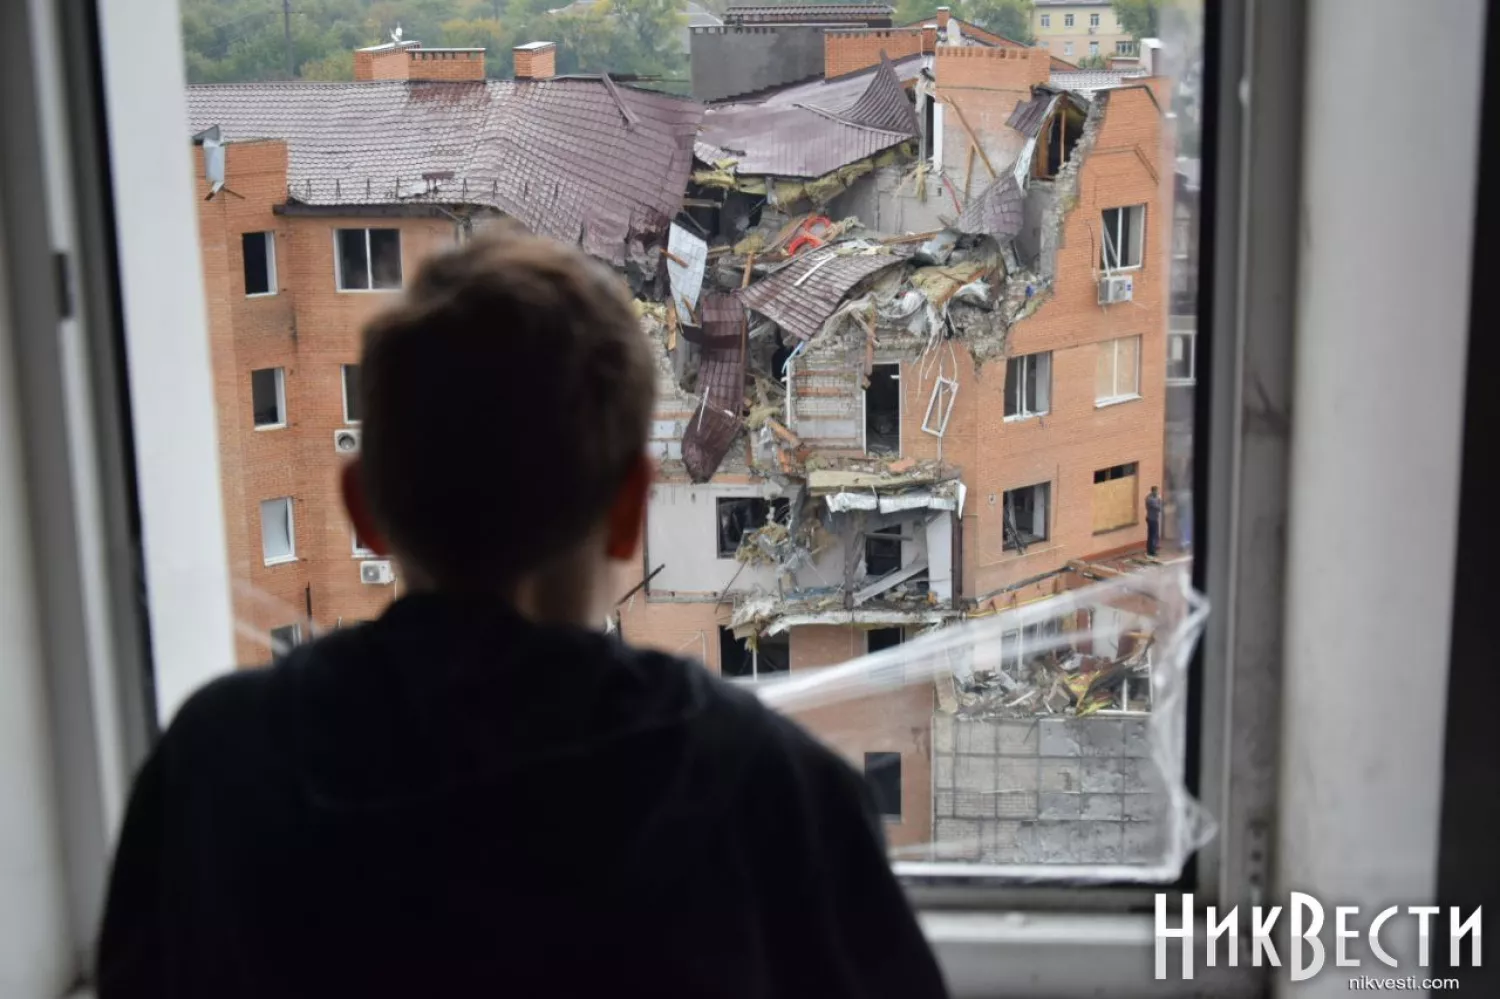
[{"x": 912, "y": 369}]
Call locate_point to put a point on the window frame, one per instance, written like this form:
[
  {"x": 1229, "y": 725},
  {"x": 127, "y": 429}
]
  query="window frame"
[
  {"x": 1093, "y": 20},
  {"x": 274, "y": 287},
  {"x": 291, "y": 531},
  {"x": 344, "y": 388},
  {"x": 338, "y": 261},
  {"x": 1046, "y": 20},
  {"x": 1028, "y": 366},
  {"x": 887, "y": 757},
  {"x": 296, "y": 637},
  {"x": 1137, "y": 245},
  {"x": 1067, "y": 20},
  {"x": 1067, "y": 48},
  {"x": 281, "y": 413},
  {"x": 1006, "y": 546},
  {"x": 1115, "y": 398},
  {"x": 1190, "y": 337},
  {"x": 1093, "y": 48},
  {"x": 358, "y": 549}
]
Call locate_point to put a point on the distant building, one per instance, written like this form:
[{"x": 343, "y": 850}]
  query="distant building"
[{"x": 1080, "y": 29}]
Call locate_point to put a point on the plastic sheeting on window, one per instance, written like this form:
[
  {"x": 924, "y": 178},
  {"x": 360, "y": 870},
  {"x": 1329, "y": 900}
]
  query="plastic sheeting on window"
[{"x": 1043, "y": 741}]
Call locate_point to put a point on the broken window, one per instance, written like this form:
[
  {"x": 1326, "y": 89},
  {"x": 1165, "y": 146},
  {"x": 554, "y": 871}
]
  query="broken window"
[
  {"x": 736, "y": 658},
  {"x": 368, "y": 259},
  {"x": 880, "y": 639},
  {"x": 1025, "y": 511},
  {"x": 285, "y": 638},
  {"x": 940, "y": 406},
  {"x": 278, "y": 537},
  {"x": 883, "y": 551},
  {"x": 259, "y": 250},
  {"x": 1028, "y": 385},
  {"x": 1180, "y": 347},
  {"x": 883, "y": 410},
  {"x": 753, "y": 657},
  {"x": 739, "y": 515},
  {"x": 268, "y": 398},
  {"x": 883, "y": 771},
  {"x": 1123, "y": 237},
  {"x": 1115, "y": 494},
  {"x": 1056, "y": 142},
  {"x": 1117, "y": 371}
]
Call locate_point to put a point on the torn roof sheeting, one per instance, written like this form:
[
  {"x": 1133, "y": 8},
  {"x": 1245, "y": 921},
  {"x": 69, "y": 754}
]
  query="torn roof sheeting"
[
  {"x": 577, "y": 158},
  {"x": 804, "y": 293},
  {"x": 998, "y": 210},
  {"x": 813, "y": 132},
  {"x": 721, "y": 379}
]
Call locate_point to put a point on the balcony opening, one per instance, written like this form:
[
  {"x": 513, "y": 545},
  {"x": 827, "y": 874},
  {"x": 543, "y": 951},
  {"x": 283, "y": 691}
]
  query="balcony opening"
[{"x": 883, "y": 410}]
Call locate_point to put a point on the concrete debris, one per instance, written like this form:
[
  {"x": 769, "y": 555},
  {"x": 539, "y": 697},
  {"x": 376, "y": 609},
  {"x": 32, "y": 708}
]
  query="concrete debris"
[{"x": 1062, "y": 682}]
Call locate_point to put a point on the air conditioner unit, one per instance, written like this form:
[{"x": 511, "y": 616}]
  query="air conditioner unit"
[
  {"x": 346, "y": 441},
  {"x": 1116, "y": 288},
  {"x": 378, "y": 573}
]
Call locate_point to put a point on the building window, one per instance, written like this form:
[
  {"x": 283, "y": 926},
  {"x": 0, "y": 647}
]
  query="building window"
[
  {"x": 368, "y": 259},
  {"x": 1067, "y": 20},
  {"x": 1117, "y": 373},
  {"x": 1124, "y": 48},
  {"x": 1025, "y": 512},
  {"x": 278, "y": 536},
  {"x": 268, "y": 398},
  {"x": 880, "y": 639},
  {"x": 285, "y": 639},
  {"x": 352, "y": 412},
  {"x": 1093, "y": 48},
  {"x": 752, "y": 658},
  {"x": 259, "y": 251},
  {"x": 1028, "y": 385},
  {"x": 1115, "y": 497},
  {"x": 1067, "y": 48},
  {"x": 1182, "y": 236},
  {"x": 1093, "y": 20},
  {"x": 883, "y": 410},
  {"x": 1124, "y": 236},
  {"x": 1046, "y": 20},
  {"x": 883, "y": 771},
  {"x": 883, "y": 551},
  {"x": 360, "y": 549},
  {"x": 740, "y": 515},
  {"x": 1181, "y": 345}
]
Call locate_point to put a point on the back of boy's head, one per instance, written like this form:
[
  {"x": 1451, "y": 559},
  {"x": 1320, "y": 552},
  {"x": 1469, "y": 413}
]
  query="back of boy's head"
[{"x": 505, "y": 399}]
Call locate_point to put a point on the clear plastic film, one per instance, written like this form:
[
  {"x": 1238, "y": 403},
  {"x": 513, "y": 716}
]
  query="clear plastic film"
[{"x": 1039, "y": 742}]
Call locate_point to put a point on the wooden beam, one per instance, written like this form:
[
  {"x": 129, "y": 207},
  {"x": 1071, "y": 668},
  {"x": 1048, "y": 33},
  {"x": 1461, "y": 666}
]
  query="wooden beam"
[
  {"x": 972, "y": 136},
  {"x": 969, "y": 171}
]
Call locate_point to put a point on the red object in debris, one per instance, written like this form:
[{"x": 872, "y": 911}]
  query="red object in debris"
[{"x": 810, "y": 233}]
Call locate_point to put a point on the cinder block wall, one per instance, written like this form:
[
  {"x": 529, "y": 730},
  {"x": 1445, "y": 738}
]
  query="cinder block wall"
[{"x": 1046, "y": 791}]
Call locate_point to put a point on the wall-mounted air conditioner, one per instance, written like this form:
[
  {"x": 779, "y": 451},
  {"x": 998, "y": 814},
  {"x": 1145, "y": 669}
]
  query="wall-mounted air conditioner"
[
  {"x": 376, "y": 573},
  {"x": 1116, "y": 288}
]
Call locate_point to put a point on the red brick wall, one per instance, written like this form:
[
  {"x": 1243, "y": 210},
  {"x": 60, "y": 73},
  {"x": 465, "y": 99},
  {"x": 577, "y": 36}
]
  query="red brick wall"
[
  {"x": 388, "y": 65},
  {"x": 536, "y": 64},
  {"x": 847, "y": 52},
  {"x": 981, "y": 88},
  {"x": 427, "y": 64}
]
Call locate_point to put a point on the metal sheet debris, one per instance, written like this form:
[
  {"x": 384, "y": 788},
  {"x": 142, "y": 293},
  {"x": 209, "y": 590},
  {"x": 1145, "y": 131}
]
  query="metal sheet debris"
[{"x": 686, "y": 256}]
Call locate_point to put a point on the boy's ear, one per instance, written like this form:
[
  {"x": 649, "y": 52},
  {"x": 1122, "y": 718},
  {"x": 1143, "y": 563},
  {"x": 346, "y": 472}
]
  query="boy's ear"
[
  {"x": 353, "y": 488},
  {"x": 627, "y": 516}
]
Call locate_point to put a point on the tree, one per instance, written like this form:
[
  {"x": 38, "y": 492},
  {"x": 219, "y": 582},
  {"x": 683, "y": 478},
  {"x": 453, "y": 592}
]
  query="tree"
[
  {"x": 1139, "y": 17},
  {"x": 1011, "y": 18},
  {"x": 1092, "y": 62}
]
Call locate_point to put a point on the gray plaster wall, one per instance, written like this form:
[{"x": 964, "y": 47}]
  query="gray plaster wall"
[
  {"x": 888, "y": 201},
  {"x": 1046, "y": 791},
  {"x": 731, "y": 60}
]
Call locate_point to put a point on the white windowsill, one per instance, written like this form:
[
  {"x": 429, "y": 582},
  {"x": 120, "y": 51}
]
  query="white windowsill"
[
  {"x": 1023, "y": 417},
  {"x": 1112, "y": 271},
  {"x": 281, "y": 559},
  {"x": 1115, "y": 400},
  {"x": 1182, "y": 381},
  {"x": 352, "y": 423},
  {"x": 269, "y": 426},
  {"x": 261, "y": 294},
  {"x": 366, "y": 555},
  {"x": 370, "y": 291},
  {"x": 1011, "y": 554}
]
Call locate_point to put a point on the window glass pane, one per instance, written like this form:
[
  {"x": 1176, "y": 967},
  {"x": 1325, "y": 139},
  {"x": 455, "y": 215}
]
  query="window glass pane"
[
  {"x": 1104, "y": 371},
  {"x": 1043, "y": 377},
  {"x": 1013, "y": 367},
  {"x": 353, "y": 261},
  {"x": 385, "y": 252},
  {"x": 260, "y": 274},
  {"x": 1135, "y": 237},
  {"x": 266, "y": 397},
  {"x": 1128, "y": 367},
  {"x": 1109, "y": 239},
  {"x": 351, "y": 393},
  {"x": 883, "y": 771},
  {"x": 276, "y": 538}
]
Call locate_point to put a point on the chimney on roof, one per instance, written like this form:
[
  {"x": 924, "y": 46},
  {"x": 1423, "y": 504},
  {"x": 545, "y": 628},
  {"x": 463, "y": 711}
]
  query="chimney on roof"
[
  {"x": 943, "y": 13},
  {"x": 536, "y": 60},
  {"x": 409, "y": 61}
]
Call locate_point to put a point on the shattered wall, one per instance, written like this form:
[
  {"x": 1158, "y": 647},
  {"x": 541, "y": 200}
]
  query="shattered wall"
[
  {"x": 894, "y": 200},
  {"x": 730, "y": 60}
]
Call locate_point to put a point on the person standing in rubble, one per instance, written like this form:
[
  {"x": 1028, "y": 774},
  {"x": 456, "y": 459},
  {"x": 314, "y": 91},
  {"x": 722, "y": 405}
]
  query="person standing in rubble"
[
  {"x": 481, "y": 793},
  {"x": 1153, "y": 522}
]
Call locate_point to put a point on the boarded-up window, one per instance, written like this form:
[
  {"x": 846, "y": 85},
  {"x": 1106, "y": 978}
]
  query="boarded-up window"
[
  {"x": 1117, "y": 372},
  {"x": 1115, "y": 492}
]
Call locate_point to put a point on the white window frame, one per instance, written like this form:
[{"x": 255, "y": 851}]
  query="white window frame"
[
  {"x": 344, "y": 389},
  {"x": 1046, "y": 20},
  {"x": 1093, "y": 48},
  {"x": 281, "y": 420},
  {"x": 1190, "y": 337},
  {"x": 291, "y": 531},
  {"x": 271, "y": 281},
  {"x": 1050, "y": 527},
  {"x": 296, "y": 629},
  {"x": 1067, "y": 48},
  {"x": 1067, "y": 20},
  {"x": 1093, "y": 20},
  {"x": 1028, "y": 364},
  {"x": 338, "y": 261},
  {"x": 359, "y": 550},
  {"x": 1108, "y": 240},
  {"x": 947, "y": 389},
  {"x": 1118, "y": 397}
]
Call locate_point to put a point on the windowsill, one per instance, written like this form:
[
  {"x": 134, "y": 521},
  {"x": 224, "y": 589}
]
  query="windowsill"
[
  {"x": 1182, "y": 381},
  {"x": 269, "y": 426},
  {"x": 370, "y": 291},
  {"x": 1112, "y": 271},
  {"x": 1023, "y": 417},
  {"x": 366, "y": 556},
  {"x": 352, "y": 423},
  {"x": 281, "y": 560},
  {"x": 1011, "y": 553},
  {"x": 1115, "y": 401},
  {"x": 262, "y": 294}
]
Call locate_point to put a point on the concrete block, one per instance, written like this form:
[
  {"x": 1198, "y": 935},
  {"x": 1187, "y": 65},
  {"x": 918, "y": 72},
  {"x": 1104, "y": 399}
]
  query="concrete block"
[
  {"x": 1016, "y": 804},
  {"x": 1002, "y": 841},
  {"x": 942, "y": 733},
  {"x": 942, "y": 804},
  {"x": 1016, "y": 737},
  {"x": 1143, "y": 842},
  {"x": 1057, "y": 738},
  {"x": 1058, "y": 805},
  {"x": 1016, "y": 774},
  {"x": 958, "y": 839},
  {"x": 973, "y": 805},
  {"x": 1145, "y": 807},
  {"x": 1107, "y": 807},
  {"x": 1137, "y": 737},
  {"x": 974, "y": 773},
  {"x": 1099, "y": 842},
  {"x": 976, "y": 735},
  {"x": 942, "y": 777},
  {"x": 1103, "y": 775},
  {"x": 1100, "y": 736},
  {"x": 1141, "y": 776},
  {"x": 1059, "y": 775}
]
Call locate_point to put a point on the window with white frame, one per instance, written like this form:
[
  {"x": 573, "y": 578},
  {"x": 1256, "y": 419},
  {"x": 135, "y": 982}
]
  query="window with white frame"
[
  {"x": 278, "y": 535},
  {"x": 1093, "y": 20},
  {"x": 1067, "y": 48},
  {"x": 1028, "y": 385},
  {"x": 752, "y": 657},
  {"x": 1117, "y": 372},
  {"x": 1181, "y": 345},
  {"x": 1093, "y": 48},
  {"x": 1046, "y": 20},
  {"x": 259, "y": 252},
  {"x": 285, "y": 638},
  {"x": 360, "y": 549},
  {"x": 1123, "y": 237},
  {"x": 368, "y": 259},
  {"x": 1025, "y": 513},
  {"x": 268, "y": 398},
  {"x": 352, "y": 412},
  {"x": 1067, "y": 20}
]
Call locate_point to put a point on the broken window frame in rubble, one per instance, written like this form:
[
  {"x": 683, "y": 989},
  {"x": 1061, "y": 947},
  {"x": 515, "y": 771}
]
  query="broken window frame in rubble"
[{"x": 754, "y": 512}]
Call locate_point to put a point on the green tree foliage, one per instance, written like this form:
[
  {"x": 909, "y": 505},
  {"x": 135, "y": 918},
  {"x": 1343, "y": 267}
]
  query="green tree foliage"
[
  {"x": 1139, "y": 17},
  {"x": 1011, "y": 18},
  {"x": 242, "y": 40}
]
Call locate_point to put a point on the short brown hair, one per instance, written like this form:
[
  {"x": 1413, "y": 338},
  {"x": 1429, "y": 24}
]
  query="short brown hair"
[{"x": 504, "y": 400}]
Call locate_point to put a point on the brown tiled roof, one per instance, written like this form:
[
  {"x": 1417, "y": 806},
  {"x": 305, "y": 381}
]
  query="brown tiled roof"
[
  {"x": 561, "y": 156},
  {"x": 996, "y": 211},
  {"x": 810, "y": 13},
  {"x": 1029, "y": 115},
  {"x": 721, "y": 380},
  {"x": 814, "y": 131},
  {"x": 804, "y": 293}
]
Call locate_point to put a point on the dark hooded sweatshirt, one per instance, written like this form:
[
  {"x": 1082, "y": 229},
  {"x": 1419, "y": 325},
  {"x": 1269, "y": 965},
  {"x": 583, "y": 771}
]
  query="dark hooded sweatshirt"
[{"x": 451, "y": 802}]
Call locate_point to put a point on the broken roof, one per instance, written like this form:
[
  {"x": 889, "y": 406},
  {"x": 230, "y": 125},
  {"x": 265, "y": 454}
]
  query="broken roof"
[
  {"x": 804, "y": 293},
  {"x": 998, "y": 210},
  {"x": 1086, "y": 81},
  {"x": 812, "y": 129},
  {"x": 721, "y": 377},
  {"x": 578, "y": 158}
]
